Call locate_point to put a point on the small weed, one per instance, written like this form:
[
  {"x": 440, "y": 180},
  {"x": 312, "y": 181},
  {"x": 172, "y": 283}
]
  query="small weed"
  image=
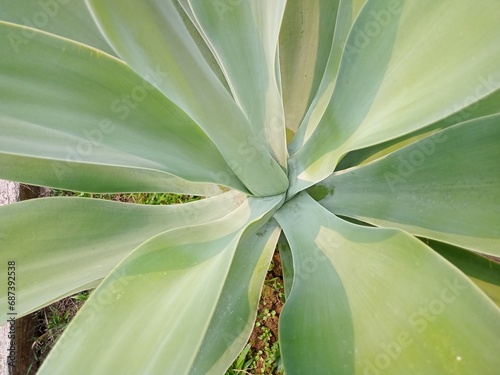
[
  {"x": 265, "y": 352},
  {"x": 54, "y": 319},
  {"x": 242, "y": 364},
  {"x": 162, "y": 198},
  {"x": 137, "y": 198},
  {"x": 267, "y": 356},
  {"x": 277, "y": 284}
]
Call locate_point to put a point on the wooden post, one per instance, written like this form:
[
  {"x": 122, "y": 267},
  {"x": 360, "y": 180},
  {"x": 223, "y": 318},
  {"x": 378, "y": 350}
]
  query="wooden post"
[{"x": 27, "y": 327}]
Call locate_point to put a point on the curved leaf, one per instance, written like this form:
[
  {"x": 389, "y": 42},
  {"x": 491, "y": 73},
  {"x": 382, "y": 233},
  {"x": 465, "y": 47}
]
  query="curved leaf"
[
  {"x": 305, "y": 39},
  {"x": 347, "y": 12},
  {"x": 69, "y": 19},
  {"x": 443, "y": 187},
  {"x": 174, "y": 280},
  {"x": 234, "y": 316},
  {"x": 286, "y": 263},
  {"x": 71, "y": 174},
  {"x": 346, "y": 315},
  {"x": 470, "y": 109},
  {"x": 484, "y": 272},
  {"x": 67, "y": 104},
  {"x": 386, "y": 75},
  {"x": 244, "y": 41},
  {"x": 196, "y": 33},
  {"x": 189, "y": 75},
  {"x": 76, "y": 241}
]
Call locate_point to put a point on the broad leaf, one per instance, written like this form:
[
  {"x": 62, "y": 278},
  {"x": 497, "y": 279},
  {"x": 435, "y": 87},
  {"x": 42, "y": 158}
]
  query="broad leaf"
[
  {"x": 67, "y": 105},
  {"x": 69, "y": 19},
  {"x": 244, "y": 39},
  {"x": 305, "y": 38},
  {"x": 172, "y": 281},
  {"x": 443, "y": 187},
  {"x": 346, "y": 315},
  {"x": 387, "y": 87},
  {"x": 484, "y": 272},
  {"x": 137, "y": 42},
  {"x": 77, "y": 241},
  {"x": 234, "y": 317},
  {"x": 470, "y": 109},
  {"x": 70, "y": 174},
  {"x": 199, "y": 38},
  {"x": 347, "y": 12}
]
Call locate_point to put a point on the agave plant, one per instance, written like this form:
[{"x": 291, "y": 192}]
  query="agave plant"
[{"x": 361, "y": 137}]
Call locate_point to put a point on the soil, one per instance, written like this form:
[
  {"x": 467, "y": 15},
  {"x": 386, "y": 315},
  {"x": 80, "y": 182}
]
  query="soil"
[{"x": 271, "y": 300}]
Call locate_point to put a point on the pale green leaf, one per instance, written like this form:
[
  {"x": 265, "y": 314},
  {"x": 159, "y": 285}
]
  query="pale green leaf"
[
  {"x": 67, "y": 18},
  {"x": 346, "y": 12},
  {"x": 244, "y": 41},
  {"x": 443, "y": 187},
  {"x": 304, "y": 43},
  {"x": 196, "y": 33},
  {"x": 468, "y": 110},
  {"x": 67, "y": 104},
  {"x": 484, "y": 272},
  {"x": 73, "y": 242},
  {"x": 286, "y": 263},
  {"x": 346, "y": 315},
  {"x": 189, "y": 75},
  {"x": 172, "y": 281},
  {"x": 392, "y": 82},
  {"x": 234, "y": 317},
  {"x": 97, "y": 178}
]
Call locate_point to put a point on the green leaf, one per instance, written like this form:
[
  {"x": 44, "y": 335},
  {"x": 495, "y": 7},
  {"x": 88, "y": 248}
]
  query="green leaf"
[
  {"x": 69, "y": 19},
  {"x": 444, "y": 187},
  {"x": 387, "y": 86},
  {"x": 71, "y": 174},
  {"x": 244, "y": 39},
  {"x": 346, "y": 315},
  {"x": 346, "y": 12},
  {"x": 73, "y": 242},
  {"x": 286, "y": 263},
  {"x": 66, "y": 105},
  {"x": 468, "y": 110},
  {"x": 197, "y": 34},
  {"x": 189, "y": 75},
  {"x": 484, "y": 272},
  {"x": 170, "y": 282},
  {"x": 304, "y": 43},
  {"x": 234, "y": 317}
]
